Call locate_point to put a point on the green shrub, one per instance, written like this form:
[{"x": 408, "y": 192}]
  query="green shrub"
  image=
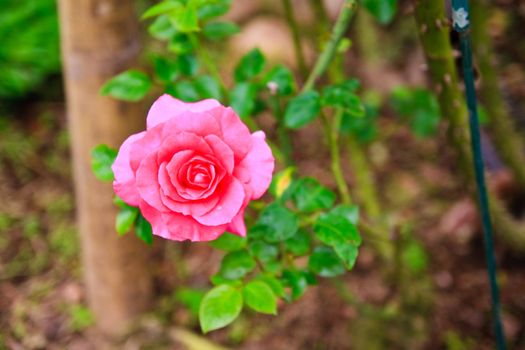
[{"x": 29, "y": 45}]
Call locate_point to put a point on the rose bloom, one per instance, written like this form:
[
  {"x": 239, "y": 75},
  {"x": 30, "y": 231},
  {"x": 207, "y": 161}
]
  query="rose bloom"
[{"x": 194, "y": 170}]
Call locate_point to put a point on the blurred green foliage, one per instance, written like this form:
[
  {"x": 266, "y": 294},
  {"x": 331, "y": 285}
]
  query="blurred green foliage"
[{"x": 29, "y": 45}]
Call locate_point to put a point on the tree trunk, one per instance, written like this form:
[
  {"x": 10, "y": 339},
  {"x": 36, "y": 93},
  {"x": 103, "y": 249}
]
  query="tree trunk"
[{"x": 100, "y": 38}]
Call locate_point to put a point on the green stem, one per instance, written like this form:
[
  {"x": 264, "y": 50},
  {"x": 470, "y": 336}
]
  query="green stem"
[
  {"x": 209, "y": 63},
  {"x": 296, "y": 37},
  {"x": 328, "y": 53},
  {"x": 285, "y": 140},
  {"x": 501, "y": 126},
  {"x": 335, "y": 154},
  {"x": 321, "y": 14},
  {"x": 367, "y": 39},
  {"x": 366, "y": 190}
]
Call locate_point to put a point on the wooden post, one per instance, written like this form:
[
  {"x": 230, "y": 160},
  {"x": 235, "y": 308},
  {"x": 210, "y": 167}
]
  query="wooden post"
[{"x": 100, "y": 38}]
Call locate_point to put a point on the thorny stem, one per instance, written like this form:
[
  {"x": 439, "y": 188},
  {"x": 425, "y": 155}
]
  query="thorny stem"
[
  {"x": 434, "y": 36},
  {"x": 298, "y": 48},
  {"x": 501, "y": 126},
  {"x": 328, "y": 53}
]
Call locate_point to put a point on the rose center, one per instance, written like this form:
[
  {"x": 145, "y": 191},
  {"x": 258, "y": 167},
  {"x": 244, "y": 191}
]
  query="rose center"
[{"x": 199, "y": 174}]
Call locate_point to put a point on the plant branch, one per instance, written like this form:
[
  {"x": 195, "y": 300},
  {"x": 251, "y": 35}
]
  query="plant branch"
[
  {"x": 366, "y": 190},
  {"x": 335, "y": 154},
  {"x": 296, "y": 37},
  {"x": 433, "y": 32},
  {"x": 506, "y": 140},
  {"x": 285, "y": 140},
  {"x": 339, "y": 29}
]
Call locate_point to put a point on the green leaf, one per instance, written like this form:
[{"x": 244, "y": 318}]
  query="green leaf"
[
  {"x": 242, "y": 99},
  {"x": 191, "y": 298},
  {"x": 263, "y": 251},
  {"x": 335, "y": 95},
  {"x": 350, "y": 212},
  {"x": 125, "y": 219},
  {"x": 281, "y": 181},
  {"x": 180, "y": 44},
  {"x": 185, "y": 19},
  {"x": 229, "y": 242},
  {"x": 250, "y": 65},
  {"x": 309, "y": 195},
  {"x": 217, "y": 280},
  {"x": 325, "y": 263},
  {"x": 208, "y": 87},
  {"x": 260, "y": 297},
  {"x": 283, "y": 78},
  {"x": 132, "y": 85},
  {"x": 297, "y": 282},
  {"x": 220, "y": 307},
  {"x": 213, "y": 9},
  {"x": 162, "y": 8},
  {"x": 298, "y": 244},
  {"x": 162, "y": 28},
  {"x": 302, "y": 109},
  {"x": 186, "y": 91},
  {"x": 166, "y": 70},
  {"x": 143, "y": 230},
  {"x": 277, "y": 223},
  {"x": 236, "y": 264},
  {"x": 275, "y": 284},
  {"x": 336, "y": 227},
  {"x": 187, "y": 64},
  {"x": 102, "y": 158},
  {"x": 347, "y": 252},
  {"x": 419, "y": 107},
  {"x": 342, "y": 95},
  {"x": 415, "y": 257},
  {"x": 354, "y": 107},
  {"x": 220, "y": 30},
  {"x": 119, "y": 202},
  {"x": 383, "y": 10}
]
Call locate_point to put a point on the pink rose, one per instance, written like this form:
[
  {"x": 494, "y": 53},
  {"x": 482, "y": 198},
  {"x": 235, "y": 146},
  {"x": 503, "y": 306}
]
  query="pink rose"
[{"x": 194, "y": 170}]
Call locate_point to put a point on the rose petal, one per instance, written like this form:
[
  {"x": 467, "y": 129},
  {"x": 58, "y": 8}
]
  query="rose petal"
[
  {"x": 148, "y": 183},
  {"x": 222, "y": 152},
  {"x": 182, "y": 141},
  {"x": 191, "y": 208},
  {"x": 124, "y": 184},
  {"x": 230, "y": 202},
  {"x": 154, "y": 217},
  {"x": 178, "y": 227},
  {"x": 166, "y": 107},
  {"x": 237, "y": 225},
  {"x": 234, "y": 132},
  {"x": 185, "y": 227},
  {"x": 176, "y": 165},
  {"x": 148, "y": 144},
  {"x": 256, "y": 168},
  {"x": 170, "y": 198},
  {"x": 201, "y": 124},
  {"x": 165, "y": 180}
]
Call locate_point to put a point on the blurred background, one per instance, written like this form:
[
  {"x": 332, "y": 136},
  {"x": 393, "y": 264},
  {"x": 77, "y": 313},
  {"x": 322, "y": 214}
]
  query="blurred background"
[{"x": 439, "y": 301}]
